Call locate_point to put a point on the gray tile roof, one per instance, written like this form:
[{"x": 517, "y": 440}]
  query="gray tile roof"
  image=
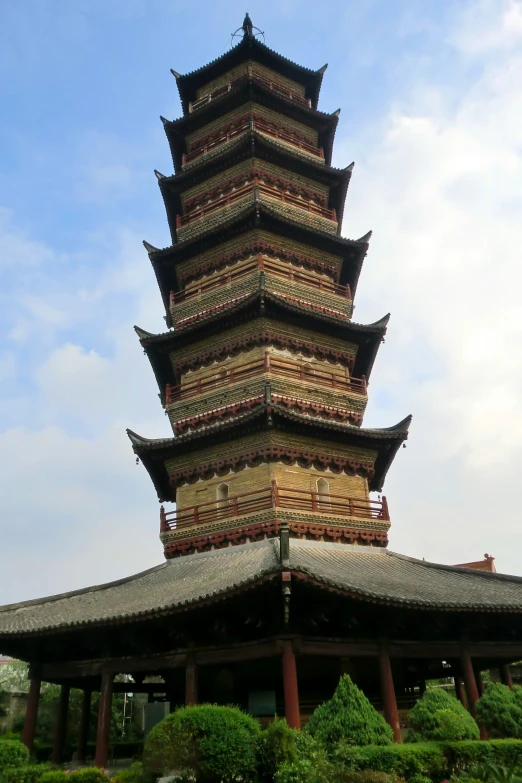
[{"x": 365, "y": 572}]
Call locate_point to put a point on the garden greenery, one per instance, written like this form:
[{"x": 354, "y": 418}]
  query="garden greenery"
[
  {"x": 500, "y": 710},
  {"x": 439, "y": 716}
]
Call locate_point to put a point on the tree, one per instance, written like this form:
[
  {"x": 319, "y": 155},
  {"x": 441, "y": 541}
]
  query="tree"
[
  {"x": 500, "y": 710},
  {"x": 207, "y": 743},
  {"x": 350, "y": 717},
  {"x": 439, "y": 716}
]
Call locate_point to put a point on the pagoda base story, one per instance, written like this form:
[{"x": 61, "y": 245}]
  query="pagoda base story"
[{"x": 298, "y": 673}]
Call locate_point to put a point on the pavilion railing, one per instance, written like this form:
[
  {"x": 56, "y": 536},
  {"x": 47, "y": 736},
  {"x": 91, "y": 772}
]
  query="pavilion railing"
[
  {"x": 274, "y": 497},
  {"x": 262, "y": 188},
  {"x": 263, "y": 264},
  {"x": 254, "y": 75},
  {"x": 268, "y": 364},
  {"x": 241, "y": 126}
]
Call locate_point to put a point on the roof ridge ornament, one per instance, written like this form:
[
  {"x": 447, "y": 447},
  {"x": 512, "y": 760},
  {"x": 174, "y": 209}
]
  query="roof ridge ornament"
[{"x": 250, "y": 32}]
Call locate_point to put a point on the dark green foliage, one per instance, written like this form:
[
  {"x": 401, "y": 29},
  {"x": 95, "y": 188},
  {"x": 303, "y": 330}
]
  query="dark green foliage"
[
  {"x": 311, "y": 766},
  {"x": 500, "y": 710},
  {"x": 418, "y": 778},
  {"x": 350, "y": 717},
  {"x": 30, "y": 773},
  {"x": 207, "y": 743},
  {"x": 489, "y": 773},
  {"x": 13, "y": 753},
  {"x": 469, "y": 755},
  {"x": 367, "y": 776},
  {"x": 88, "y": 775},
  {"x": 437, "y": 716},
  {"x": 54, "y": 776},
  {"x": 276, "y": 746},
  {"x": 405, "y": 761}
]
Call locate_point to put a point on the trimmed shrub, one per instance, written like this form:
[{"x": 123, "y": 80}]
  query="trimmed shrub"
[
  {"x": 500, "y": 710},
  {"x": 88, "y": 775},
  {"x": 54, "y": 776},
  {"x": 133, "y": 774},
  {"x": 13, "y": 753},
  {"x": 311, "y": 766},
  {"x": 206, "y": 742},
  {"x": 405, "y": 761},
  {"x": 437, "y": 716},
  {"x": 348, "y": 716},
  {"x": 462, "y": 756},
  {"x": 30, "y": 773},
  {"x": 367, "y": 776},
  {"x": 276, "y": 746}
]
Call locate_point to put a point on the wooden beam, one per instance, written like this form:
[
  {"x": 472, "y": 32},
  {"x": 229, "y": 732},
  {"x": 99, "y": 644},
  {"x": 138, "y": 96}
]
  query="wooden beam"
[
  {"x": 104, "y": 721},
  {"x": 31, "y": 713},
  {"x": 290, "y": 687},
  {"x": 85, "y": 719},
  {"x": 389, "y": 702},
  {"x": 60, "y": 727}
]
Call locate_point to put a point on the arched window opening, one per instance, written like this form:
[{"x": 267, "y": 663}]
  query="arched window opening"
[
  {"x": 222, "y": 494},
  {"x": 323, "y": 493}
]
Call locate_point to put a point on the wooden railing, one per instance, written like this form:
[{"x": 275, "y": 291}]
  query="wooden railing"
[
  {"x": 273, "y": 496},
  {"x": 269, "y": 364},
  {"x": 261, "y": 263},
  {"x": 280, "y": 89},
  {"x": 230, "y": 198},
  {"x": 255, "y": 122}
]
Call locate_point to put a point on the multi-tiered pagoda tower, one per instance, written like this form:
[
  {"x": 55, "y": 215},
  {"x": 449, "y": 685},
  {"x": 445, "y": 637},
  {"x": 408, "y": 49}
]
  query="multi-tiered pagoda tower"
[
  {"x": 277, "y": 577},
  {"x": 263, "y": 373}
]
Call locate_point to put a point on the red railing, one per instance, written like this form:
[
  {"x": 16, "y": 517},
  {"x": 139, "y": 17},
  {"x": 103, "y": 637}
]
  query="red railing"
[
  {"x": 262, "y": 264},
  {"x": 246, "y": 123},
  {"x": 273, "y": 365},
  {"x": 230, "y": 198},
  {"x": 274, "y": 497},
  {"x": 290, "y": 95}
]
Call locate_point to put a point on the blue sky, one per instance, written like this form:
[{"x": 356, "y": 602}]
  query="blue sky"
[{"x": 431, "y": 109}]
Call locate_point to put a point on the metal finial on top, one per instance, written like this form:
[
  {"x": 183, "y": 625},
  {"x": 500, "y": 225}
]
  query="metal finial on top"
[{"x": 248, "y": 30}]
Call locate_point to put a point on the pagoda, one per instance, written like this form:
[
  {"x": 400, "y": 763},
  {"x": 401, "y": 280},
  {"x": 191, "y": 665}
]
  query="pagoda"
[
  {"x": 277, "y": 577},
  {"x": 263, "y": 373}
]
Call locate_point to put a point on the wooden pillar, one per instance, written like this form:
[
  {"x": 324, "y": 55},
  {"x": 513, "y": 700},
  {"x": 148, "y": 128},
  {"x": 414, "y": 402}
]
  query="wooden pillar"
[
  {"x": 459, "y": 690},
  {"x": 31, "y": 713},
  {"x": 480, "y": 682},
  {"x": 290, "y": 688},
  {"x": 505, "y": 675},
  {"x": 85, "y": 719},
  {"x": 389, "y": 701},
  {"x": 60, "y": 726},
  {"x": 104, "y": 721},
  {"x": 470, "y": 682},
  {"x": 191, "y": 681}
]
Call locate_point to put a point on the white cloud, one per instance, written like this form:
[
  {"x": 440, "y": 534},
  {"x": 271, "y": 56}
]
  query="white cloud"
[{"x": 488, "y": 25}]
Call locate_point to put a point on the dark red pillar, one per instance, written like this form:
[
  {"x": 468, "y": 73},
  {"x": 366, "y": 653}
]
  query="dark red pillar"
[
  {"x": 291, "y": 692},
  {"x": 459, "y": 690},
  {"x": 480, "y": 682},
  {"x": 191, "y": 681},
  {"x": 505, "y": 675},
  {"x": 60, "y": 726},
  {"x": 85, "y": 719},
  {"x": 470, "y": 683},
  {"x": 31, "y": 713},
  {"x": 391, "y": 713},
  {"x": 104, "y": 721}
]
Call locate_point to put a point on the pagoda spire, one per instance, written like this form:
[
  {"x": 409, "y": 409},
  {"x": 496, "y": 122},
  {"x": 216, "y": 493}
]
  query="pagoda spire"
[{"x": 248, "y": 27}]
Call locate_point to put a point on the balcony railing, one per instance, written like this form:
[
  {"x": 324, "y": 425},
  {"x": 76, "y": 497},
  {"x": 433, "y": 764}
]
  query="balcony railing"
[
  {"x": 243, "y": 125},
  {"x": 274, "y": 497},
  {"x": 263, "y": 264},
  {"x": 277, "y": 87},
  {"x": 227, "y": 199},
  {"x": 269, "y": 364}
]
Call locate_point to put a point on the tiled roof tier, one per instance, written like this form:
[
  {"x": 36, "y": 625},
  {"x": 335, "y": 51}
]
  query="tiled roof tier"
[
  {"x": 254, "y": 145},
  {"x": 368, "y": 337},
  {"x": 249, "y": 91},
  {"x": 353, "y": 251},
  {"x": 249, "y": 49},
  {"x": 386, "y": 441},
  {"x": 369, "y": 574}
]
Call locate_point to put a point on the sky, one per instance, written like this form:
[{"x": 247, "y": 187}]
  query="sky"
[{"x": 431, "y": 99}]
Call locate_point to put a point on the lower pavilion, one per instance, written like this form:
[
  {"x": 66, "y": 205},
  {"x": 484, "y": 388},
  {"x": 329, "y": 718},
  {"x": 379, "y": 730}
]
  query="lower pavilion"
[{"x": 277, "y": 578}]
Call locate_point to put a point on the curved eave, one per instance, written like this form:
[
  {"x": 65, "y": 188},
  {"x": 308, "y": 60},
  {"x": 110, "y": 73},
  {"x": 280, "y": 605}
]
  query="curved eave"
[
  {"x": 255, "y": 145},
  {"x": 249, "y": 49},
  {"x": 177, "y": 130},
  {"x": 154, "y": 452},
  {"x": 352, "y": 251},
  {"x": 158, "y": 348}
]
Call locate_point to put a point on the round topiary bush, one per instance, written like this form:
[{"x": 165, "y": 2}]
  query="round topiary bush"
[
  {"x": 500, "y": 710},
  {"x": 13, "y": 753},
  {"x": 350, "y": 717},
  {"x": 208, "y": 743},
  {"x": 276, "y": 746},
  {"x": 437, "y": 716}
]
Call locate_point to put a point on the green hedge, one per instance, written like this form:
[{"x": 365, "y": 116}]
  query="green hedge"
[
  {"x": 30, "y": 773},
  {"x": 405, "y": 761},
  {"x": 13, "y": 753},
  {"x": 117, "y": 750},
  {"x": 466, "y": 755}
]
